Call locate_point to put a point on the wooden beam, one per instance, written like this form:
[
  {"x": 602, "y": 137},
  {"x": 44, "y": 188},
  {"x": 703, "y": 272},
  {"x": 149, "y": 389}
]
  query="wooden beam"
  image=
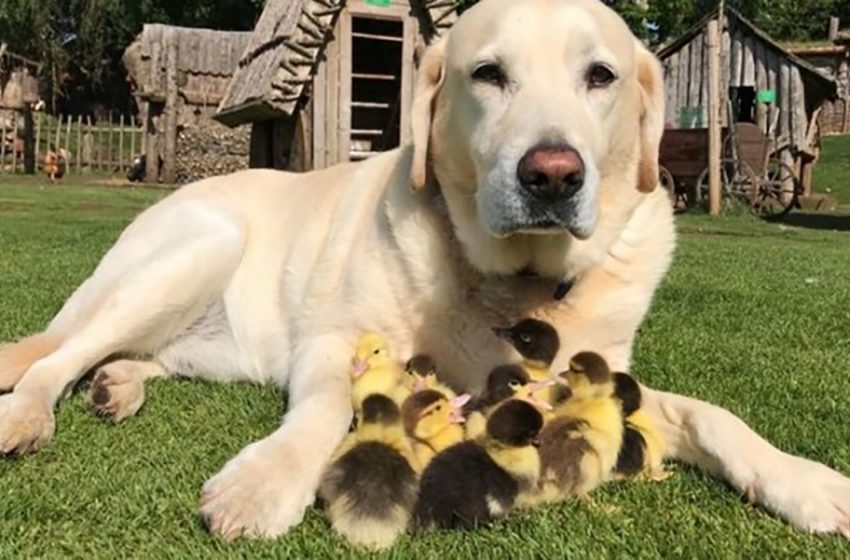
[
  {"x": 171, "y": 108},
  {"x": 151, "y": 145},
  {"x": 29, "y": 140},
  {"x": 714, "y": 130},
  {"x": 79, "y": 144},
  {"x": 833, "y": 29},
  {"x": 260, "y": 154}
]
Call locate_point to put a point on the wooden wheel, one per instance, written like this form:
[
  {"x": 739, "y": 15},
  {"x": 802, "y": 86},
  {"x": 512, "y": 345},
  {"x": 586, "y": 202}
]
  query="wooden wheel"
[
  {"x": 777, "y": 193},
  {"x": 737, "y": 180}
]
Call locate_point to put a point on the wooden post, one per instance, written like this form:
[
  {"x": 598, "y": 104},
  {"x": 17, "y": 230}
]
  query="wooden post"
[
  {"x": 121, "y": 143},
  {"x": 58, "y": 136},
  {"x": 98, "y": 144},
  {"x": 88, "y": 148},
  {"x": 132, "y": 139},
  {"x": 714, "y": 102},
  {"x": 152, "y": 146},
  {"x": 833, "y": 29},
  {"x": 15, "y": 146},
  {"x": 171, "y": 101},
  {"x": 2, "y": 145},
  {"x": 29, "y": 141},
  {"x": 38, "y": 140},
  {"x": 110, "y": 152},
  {"x": 79, "y": 144},
  {"x": 68, "y": 139}
]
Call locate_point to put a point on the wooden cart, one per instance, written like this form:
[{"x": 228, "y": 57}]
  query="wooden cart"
[{"x": 748, "y": 170}]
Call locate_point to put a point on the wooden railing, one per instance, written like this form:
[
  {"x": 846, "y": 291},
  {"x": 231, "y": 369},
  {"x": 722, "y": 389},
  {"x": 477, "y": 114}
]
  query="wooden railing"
[{"x": 108, "y": 145}]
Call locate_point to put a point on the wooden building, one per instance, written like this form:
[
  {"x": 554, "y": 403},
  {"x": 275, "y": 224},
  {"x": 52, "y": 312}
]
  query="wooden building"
[
  {"x": 325, "y": 81},
  {"x": 752, "y": 62},
  {"x": 831, "y": 57},
  {"x": 179, "y": 76},
  {"x": 19, "y": 93}
]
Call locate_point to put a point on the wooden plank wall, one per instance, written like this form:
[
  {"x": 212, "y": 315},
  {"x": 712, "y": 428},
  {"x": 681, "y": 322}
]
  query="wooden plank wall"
[{"x": 747, "y": 61}]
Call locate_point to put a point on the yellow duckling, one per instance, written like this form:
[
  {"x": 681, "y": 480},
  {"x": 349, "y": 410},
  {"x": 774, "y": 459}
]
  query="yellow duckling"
[
  {"x": 433, "y": 421},
  {"x": 474, "y": 482},
  {"x": 370, "y": 487},
  {"x": 579, "y": 447},
  {"x": 643, "y": 448},
  {"x": 373, "y": 370},
  {"x": 505, "y": 382},
  {"x": 422, "y": 374}
]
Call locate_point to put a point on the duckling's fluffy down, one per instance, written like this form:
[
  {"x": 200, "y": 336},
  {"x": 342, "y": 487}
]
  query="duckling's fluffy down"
[{"x": 370, "y": 491}]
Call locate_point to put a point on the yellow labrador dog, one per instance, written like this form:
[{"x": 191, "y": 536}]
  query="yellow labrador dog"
[{"x": 536, "y": 132}]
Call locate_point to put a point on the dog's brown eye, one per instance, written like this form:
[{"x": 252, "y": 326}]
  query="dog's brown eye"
[
  {"x": 491, "y": 74},
  {"x": 599, "y": 76}
]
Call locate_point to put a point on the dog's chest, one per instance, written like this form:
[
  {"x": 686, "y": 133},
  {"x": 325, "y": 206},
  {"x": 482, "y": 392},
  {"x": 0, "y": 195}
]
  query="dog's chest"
[{"x": 458, "y": 333}]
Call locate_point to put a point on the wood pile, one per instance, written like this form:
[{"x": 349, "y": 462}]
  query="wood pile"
[{"x": 211, "y": 149}]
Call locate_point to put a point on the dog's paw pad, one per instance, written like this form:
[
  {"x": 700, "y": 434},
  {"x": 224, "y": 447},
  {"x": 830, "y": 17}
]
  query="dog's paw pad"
[{"x": 116, "y": 395}]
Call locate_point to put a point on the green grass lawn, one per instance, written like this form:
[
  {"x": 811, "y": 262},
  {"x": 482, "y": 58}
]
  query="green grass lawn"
[
  {"x": 753, "y": 316},
  {"x": 832, "y": 173}
]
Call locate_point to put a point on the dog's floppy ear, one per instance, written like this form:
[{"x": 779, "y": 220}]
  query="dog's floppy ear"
[
  {"x": 428, "y": 83},
  {"x": 651, "y": 82}
]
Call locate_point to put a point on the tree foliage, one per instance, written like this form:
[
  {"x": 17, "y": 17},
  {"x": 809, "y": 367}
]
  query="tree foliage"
[{"x": 80, "y": 42}]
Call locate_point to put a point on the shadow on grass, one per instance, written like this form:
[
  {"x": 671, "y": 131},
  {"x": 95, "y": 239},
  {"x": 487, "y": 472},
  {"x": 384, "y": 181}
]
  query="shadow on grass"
[{"x": 818, "y": 221}]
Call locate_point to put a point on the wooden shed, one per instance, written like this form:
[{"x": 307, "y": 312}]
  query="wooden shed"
[
  {"x": 18, "y": 80},
  {"x": 179, "y": 76},
  {"x": 831, "y": 57},
  {"x": 325, "y": 81},
  {"x": 19, "y": 93},
  {"x": 751, "y": 62}
]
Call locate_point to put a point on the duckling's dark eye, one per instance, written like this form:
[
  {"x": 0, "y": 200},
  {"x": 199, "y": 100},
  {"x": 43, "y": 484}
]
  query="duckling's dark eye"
[
  {"x": 439, "y": 408},
  {"x": 525, "y": 338},
  {"x": 599, "y": 76},
  {"x": 490, "y": 73},
  {"x": 376, "y": 352}
]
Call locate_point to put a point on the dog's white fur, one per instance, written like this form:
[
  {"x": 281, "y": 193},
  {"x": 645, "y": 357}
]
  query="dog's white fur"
[{"x": 268, "y": 276}]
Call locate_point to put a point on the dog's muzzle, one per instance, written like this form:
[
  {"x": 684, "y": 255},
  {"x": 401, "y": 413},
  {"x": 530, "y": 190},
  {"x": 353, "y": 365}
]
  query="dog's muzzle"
[{"x": 550, "y": 191}]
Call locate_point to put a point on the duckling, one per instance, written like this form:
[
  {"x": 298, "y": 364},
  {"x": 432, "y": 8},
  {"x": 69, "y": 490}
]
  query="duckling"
[
  {"x": 579, "y": 447},
  {"x": 370, "y": 487},
  {"x": 643, "y": 448},
  {"x": 472, "y": 483},
  {"x": 374, "y": 371},
  {"x": 433, "y": 421},
  {"x": 538, "y": 344},
  {"x": 536, "y": 341},
  {"x": 423, "y": 375},
  {"x": 504, "y": 382}
]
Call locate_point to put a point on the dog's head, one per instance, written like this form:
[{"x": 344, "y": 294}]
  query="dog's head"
[{"x": 526, "y": 113}]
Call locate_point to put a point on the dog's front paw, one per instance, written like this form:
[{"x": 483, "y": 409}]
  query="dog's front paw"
[
  {"x": 808, "y": 494},
  {"x": 262, "y": 492},
  {"x": 26, "y": 423}
]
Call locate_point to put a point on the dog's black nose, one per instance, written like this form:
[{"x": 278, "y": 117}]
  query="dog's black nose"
[{"x": 551, "y": 171}]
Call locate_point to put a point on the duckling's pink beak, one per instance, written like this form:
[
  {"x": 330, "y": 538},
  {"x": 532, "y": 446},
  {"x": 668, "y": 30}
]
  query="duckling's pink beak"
[
  {"x": 358, "y": 368},
  {"x": 420, "y": 384},
  {"x": 457, "y": 404},
  {"x": 536, "y": 401},
  {"x": 502, "y": 332}
]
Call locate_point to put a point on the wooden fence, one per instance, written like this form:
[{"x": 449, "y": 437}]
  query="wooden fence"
[{"x": 108, "y": 145}]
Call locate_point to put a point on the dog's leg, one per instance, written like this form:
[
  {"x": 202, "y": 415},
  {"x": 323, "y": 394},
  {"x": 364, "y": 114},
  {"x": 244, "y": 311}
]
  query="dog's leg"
[
  {"x": 17, "y": 357},
  {"x": 137, "y": 308},
  {"x": 808, "y": 494},
  {"x": 264, "y": 490},
  {"x": 118, "y": 388}
]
